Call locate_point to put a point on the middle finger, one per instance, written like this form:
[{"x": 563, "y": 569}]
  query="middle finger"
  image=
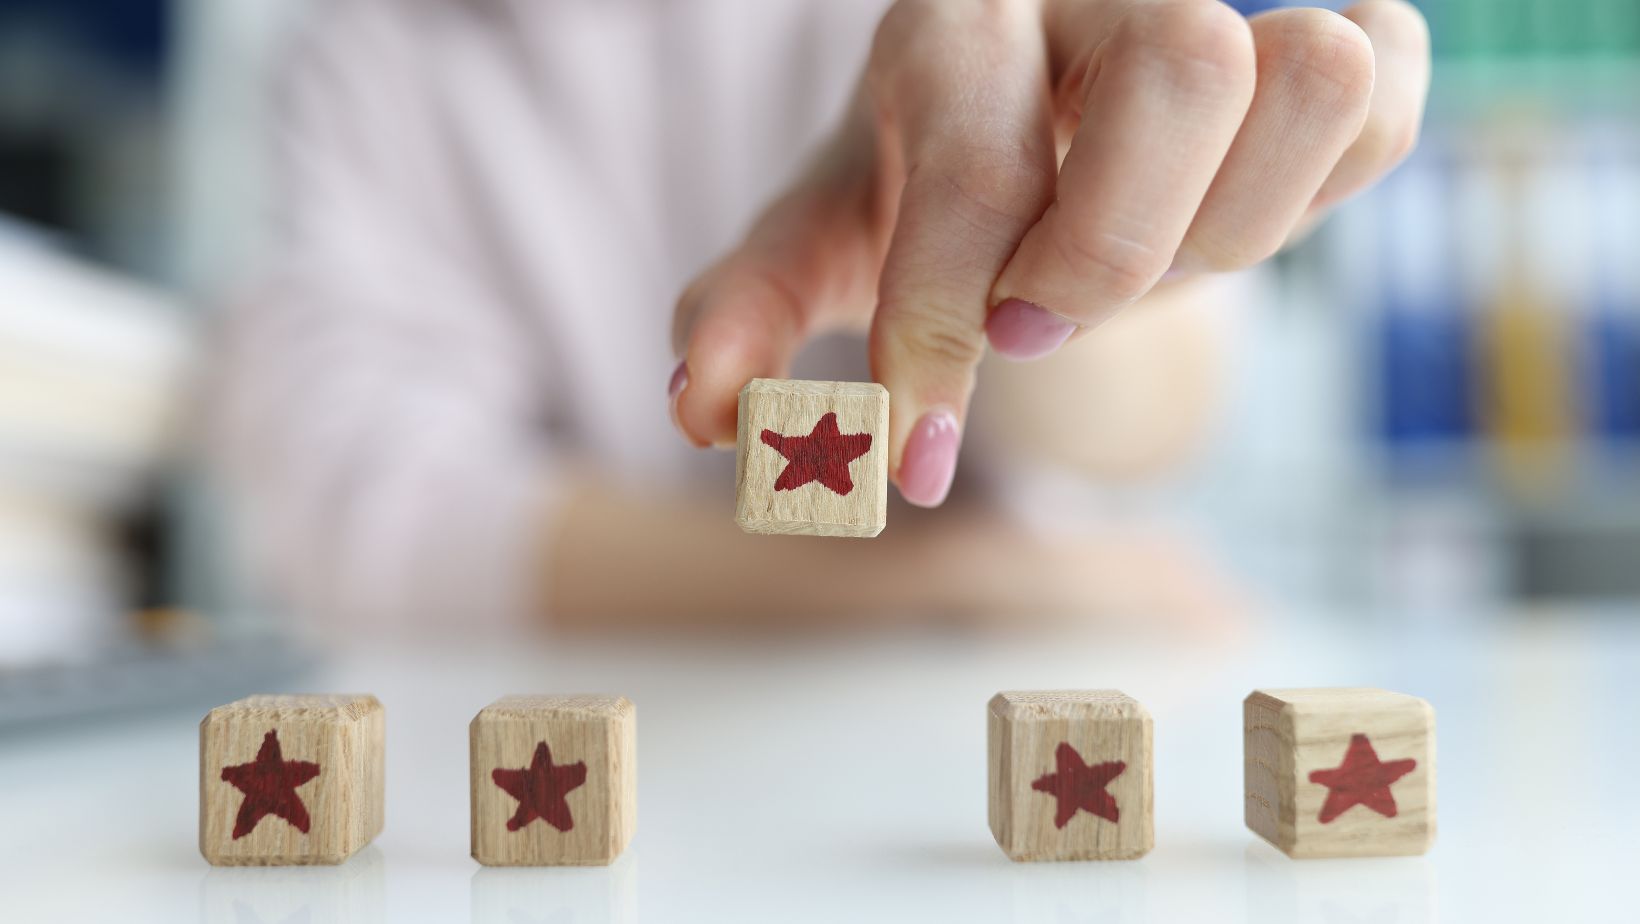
[{"x": 1168, "y": 88}]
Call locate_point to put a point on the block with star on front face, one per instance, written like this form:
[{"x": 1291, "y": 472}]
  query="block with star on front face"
[
  {"x": 554, "y": 780},
  {"x": 286, "y": 780},
  {"x": 1340, "y": 772},
  {"x": 811, "y": 458},
  {"x": 1070, "y": 775}
]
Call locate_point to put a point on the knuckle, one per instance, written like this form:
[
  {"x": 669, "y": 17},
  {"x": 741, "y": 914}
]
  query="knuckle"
[
  {"x": 1207, "y": 39},
  {"x": 781, "y": 307},
  {"x": 932, "y": 336},
  {"x": 740, "y": 302},
  {"x": 919, "y": 40},
  {"x": 996, "y": 193},
  {"x": 898, "y": 27},
  {"x": 1220, "y": 253},
  {"x": 1119, "y": 268},
  {"x": 1328, "y": 55},
  {"x": 906, "y": 20},
  {"x": 913, "y": 28}
]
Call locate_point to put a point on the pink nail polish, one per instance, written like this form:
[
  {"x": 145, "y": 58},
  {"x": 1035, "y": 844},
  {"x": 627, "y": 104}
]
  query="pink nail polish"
[
  {"x": 675, "y": 387},
  {"x": 680, "y": 379},
  {"x": 930, "y": 459},
  {"x": 1020, "y": 330}
]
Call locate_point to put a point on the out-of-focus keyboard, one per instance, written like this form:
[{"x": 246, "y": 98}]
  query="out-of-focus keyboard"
[{"x": 143, "y": 676}]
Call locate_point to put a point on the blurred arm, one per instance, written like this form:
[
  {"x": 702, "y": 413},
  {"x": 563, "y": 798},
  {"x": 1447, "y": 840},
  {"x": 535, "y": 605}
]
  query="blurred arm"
[{"x": 635, "y": 563}]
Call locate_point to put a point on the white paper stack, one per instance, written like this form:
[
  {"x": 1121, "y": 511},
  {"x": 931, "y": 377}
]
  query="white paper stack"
[{"x": 93, "y": 373}]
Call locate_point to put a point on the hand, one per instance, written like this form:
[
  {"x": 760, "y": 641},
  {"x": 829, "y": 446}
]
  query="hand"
[{"x": 1019, "y": 170}]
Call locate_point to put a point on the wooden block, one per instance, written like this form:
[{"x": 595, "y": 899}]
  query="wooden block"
[
  {"x": 554, "y": 780},
  {"x": 1070, "y": 775},
  {"x": 286, "y": 780},
  {"x": 1345, "y": 772},
  {"x": 811, "y": 458}
]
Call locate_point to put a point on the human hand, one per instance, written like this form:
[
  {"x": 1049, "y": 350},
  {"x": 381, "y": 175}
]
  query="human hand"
[{"x": 1019, "y": 170}]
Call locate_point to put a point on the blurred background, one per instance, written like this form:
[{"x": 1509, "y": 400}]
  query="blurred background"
[{"x": 1434, "y": 412}]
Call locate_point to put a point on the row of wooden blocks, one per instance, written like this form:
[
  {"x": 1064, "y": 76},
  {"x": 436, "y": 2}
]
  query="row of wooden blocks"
[{"x": 1328, "y": 773}]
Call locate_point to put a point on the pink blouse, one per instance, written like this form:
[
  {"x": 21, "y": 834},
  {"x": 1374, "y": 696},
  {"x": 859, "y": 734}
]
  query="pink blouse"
[{"x": 485, "y": 209}]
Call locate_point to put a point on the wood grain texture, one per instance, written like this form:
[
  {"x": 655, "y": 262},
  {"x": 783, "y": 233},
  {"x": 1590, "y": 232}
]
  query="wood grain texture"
[
  {"x": 795, "y": 408},
  {"x": 345, "y": 735},
  {"x": 599, "y": 731},
  {"x": 1290, "y": 734},
  {"x": 1025, "y": 730}
]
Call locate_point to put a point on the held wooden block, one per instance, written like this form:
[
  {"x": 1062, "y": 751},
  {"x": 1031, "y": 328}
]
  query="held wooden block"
[
  {"x": 287, "y": 780},
  {"x": 554, "y": 780},
  {"x": 1070, "y": 775},
  {"x": 811, "y": 458},
  {"x": 1345, "y": 772}
]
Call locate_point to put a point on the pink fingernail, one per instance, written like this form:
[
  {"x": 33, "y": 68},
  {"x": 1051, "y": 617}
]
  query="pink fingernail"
[
  {"x": 675, "y": 387},
  {"x": 680, "y": 379},
  {"x": 930, "y": 459},
  {"x": 1020, "y": 330}
]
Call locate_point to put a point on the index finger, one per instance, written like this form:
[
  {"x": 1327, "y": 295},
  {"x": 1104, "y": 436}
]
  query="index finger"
[{"x": 964, "y": 93}]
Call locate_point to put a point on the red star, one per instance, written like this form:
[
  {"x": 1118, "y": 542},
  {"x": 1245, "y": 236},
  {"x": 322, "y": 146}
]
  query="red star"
[
  {"x": 1079, "y": 786},
  {"x": 821, "y": 456},
  {"x": 1362, "y": 779},
  {"x": 269, "y": 783},
  {"x": 540, "y": 789}
]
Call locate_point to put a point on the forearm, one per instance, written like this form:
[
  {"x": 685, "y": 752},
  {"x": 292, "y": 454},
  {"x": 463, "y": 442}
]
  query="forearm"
[
  {"x": 623, "y": 560},
  {"x": 617, "y": 561}
]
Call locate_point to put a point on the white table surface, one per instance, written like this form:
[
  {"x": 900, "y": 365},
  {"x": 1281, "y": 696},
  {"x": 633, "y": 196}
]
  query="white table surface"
[{"x": 845, "y": 780}]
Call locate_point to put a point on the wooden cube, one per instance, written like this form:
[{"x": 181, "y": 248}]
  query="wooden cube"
[
  {"x": 811, "y": 458},
  {"x": 1070, "y": 775},
  {"x": 287, "y": 780},
  {"x": 1344, "y": 772},
  {"x": 554, "y": 780}
]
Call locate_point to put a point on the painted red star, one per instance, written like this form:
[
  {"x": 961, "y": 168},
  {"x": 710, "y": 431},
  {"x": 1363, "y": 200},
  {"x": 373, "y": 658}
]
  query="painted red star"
[
  {"x": 1078, "y": 786},
  {"x": 269, "y": 783},
  {"x": 821, "y": 456},
  {"x": 1362, "y": 779},
  {"x": 540, "y": 789}
]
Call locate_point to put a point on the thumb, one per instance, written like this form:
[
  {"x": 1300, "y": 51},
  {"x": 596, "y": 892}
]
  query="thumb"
[{"x": 805, "y": 267}]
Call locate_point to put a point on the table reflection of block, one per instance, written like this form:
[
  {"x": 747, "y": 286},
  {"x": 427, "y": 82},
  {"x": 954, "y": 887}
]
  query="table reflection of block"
[
  {"x": 1363, "y": 891},
  {"x": 352, "y": 893},
  {"x": 568, "y": 895}
]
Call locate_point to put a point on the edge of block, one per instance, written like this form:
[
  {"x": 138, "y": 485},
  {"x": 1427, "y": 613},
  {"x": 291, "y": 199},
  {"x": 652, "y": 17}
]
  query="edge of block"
[
  {"x": 557, "y": 706},
  {"x": 766, "y": 527},
  {"x": 347, "y": 707},
  {"x": 813, "y": 388},
  {"x": 1282, "y": 837},
  {"x": 1030, "y": 705}
]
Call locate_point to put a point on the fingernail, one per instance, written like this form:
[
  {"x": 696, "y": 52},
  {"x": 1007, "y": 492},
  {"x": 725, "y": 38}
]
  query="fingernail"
[
  {"x": 680, "y": 378},
  {"x": 930, "y": 459},
  {"x": 1020, "y": 330},
  {"x": 675, "y": 387}
]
